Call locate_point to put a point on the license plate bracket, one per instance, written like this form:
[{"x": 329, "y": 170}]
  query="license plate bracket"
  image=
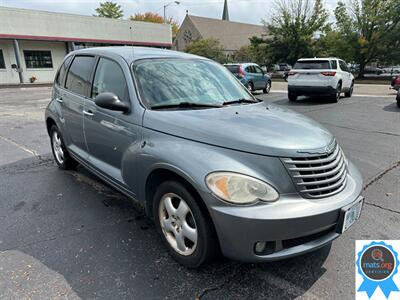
[{"x": 350, "y": 214}]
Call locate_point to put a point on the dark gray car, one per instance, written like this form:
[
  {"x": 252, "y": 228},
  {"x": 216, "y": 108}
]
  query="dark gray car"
[{"x": 214, "y": 167}]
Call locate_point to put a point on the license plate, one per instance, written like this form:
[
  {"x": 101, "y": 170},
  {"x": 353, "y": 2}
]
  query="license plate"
[{"x": 351, "y": 215}]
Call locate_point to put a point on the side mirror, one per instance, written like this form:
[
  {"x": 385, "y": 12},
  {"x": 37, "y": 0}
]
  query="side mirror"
[{"x": 110, "y": 101}]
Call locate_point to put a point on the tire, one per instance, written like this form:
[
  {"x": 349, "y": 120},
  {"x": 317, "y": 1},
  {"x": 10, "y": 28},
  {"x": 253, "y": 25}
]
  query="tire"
[
  {"x": 349, "y": 93},
  {"x": 292, "y": 97},
  {"x": 60, "y": 153},
  {"x": 189, "y": 249},
  {"x": 267, "y": 87},
  {"x": 335, "y": 97},
  {"x": 398, "y": 103},
  {"x": 250, "y": 87}
]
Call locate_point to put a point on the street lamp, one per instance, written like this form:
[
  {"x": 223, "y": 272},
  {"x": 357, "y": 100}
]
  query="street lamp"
[{"x": 165, "y": 8}]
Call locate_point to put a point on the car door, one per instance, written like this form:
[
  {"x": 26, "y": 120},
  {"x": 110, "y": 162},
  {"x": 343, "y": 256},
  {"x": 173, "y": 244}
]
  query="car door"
[
  {"x": 261, "y": 77},
  {"x": 110, "y": 135},
  {"x": 346, "y": 75},
  {"x": 77, "y": 88}
]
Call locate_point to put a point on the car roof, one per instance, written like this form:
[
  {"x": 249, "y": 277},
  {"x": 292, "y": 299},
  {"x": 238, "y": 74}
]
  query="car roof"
[
  {"x": 318, "y": 58},
  {"x": 130, "y": 53},
  {"x": 241, "y": 64}
]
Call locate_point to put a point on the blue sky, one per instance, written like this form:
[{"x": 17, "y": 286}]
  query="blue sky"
[{"x": 248, "y": 11}]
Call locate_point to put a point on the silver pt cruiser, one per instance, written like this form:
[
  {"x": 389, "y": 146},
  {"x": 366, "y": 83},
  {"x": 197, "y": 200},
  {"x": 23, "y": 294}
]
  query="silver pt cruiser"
[{"x": 217, "y": 169}]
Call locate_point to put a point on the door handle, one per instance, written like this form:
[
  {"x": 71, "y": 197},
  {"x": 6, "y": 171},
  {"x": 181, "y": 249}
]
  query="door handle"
[
  {"x": 59, "y": 100},
  {"x": 88, "y": 113}
]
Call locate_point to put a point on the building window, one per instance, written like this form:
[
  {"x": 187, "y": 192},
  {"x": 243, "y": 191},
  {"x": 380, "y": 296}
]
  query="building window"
[
  {"x": 2, "y": 63},
  {"x": 35, "y": 59}
]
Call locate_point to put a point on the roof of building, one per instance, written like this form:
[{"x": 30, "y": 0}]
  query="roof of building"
[
  {"x": 130, "y": 53},
  {"x": 27, "y": 24},
  {"x": 232, "y": 35}
]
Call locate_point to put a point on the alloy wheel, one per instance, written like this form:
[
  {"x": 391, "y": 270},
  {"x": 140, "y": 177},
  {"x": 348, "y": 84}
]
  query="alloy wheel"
[
  {"x": 178, "y": 224},
  {"x": 57, "y": 147}
]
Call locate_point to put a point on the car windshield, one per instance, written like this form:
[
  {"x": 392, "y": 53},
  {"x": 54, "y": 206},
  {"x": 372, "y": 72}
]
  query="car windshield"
[
  {"x": 312, "y": 65},
  {"x": 168, "y": 82}
]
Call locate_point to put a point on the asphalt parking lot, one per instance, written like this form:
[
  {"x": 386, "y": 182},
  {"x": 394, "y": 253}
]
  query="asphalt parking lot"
[{"x": 67, "y": 235}]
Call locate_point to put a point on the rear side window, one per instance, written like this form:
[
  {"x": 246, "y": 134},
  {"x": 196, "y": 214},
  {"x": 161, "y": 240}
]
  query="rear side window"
[
  {"x": 110, "y": 78},
  {"x": 334, "y": 64},
  {"x": 235, "y": 69},
  {"x": 78, "y": 77},
  {"x": 312, "y": 65},
  {"x": 63, "y": 70},
  {"x": 343, "y": 66},
  {"x": 258, "y": 70}
]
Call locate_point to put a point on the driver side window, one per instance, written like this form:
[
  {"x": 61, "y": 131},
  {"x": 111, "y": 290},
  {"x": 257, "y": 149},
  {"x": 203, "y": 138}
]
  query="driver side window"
[{"x": 110, "y": 78}]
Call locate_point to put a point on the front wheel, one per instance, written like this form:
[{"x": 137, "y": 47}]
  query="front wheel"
[
  {"x": 186, "y": 230},
  {"x": 267, "y": 87}
]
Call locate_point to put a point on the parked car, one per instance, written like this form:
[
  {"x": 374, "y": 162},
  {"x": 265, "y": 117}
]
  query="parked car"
[
  {"x": 320, "y": 77},
  {"x": 373, "y": 70},
  {"x": 395, "y": 84},
  {"x": 251, "y": 76},
  {"x": 215, "y": 168},
  {"x": 282, "y": 67}
]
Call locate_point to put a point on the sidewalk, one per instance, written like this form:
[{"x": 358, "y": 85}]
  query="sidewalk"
[{"x": 359, "y": 89}]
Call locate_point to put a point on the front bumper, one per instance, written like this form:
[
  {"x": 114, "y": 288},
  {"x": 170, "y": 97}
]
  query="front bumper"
[
  {"x": 291, "y": 226},
  {"x": 311, "y": 90}
]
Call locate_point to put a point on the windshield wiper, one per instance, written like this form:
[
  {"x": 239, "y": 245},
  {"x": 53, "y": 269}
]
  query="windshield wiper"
[
  {"x": 184, "y": 105},
  {"x": 242, "y": 100}
]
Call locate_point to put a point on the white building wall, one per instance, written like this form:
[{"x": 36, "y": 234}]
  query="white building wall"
[
  {"x": 42, "y": 25},
  {"x": 10, "y": 76}
]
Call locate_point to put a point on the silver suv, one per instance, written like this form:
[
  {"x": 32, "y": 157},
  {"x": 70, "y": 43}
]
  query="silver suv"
[{"x": 217, "y": 169}]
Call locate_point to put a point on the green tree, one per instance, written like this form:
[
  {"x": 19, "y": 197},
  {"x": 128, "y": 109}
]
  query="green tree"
[
  {"x": 210, "y": 48},
  {"x": 156, "y": 18},
  {"x": 109, "y": 9},
  {"x": 371, "y": 28},
  {"x": 293, "y": 27},
  {"x": 333, "y": 45},
  {"x": 244, "y": 54}
]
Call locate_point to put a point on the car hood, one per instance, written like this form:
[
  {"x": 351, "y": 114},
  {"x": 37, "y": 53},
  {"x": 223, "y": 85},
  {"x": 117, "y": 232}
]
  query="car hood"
[{"x": 256, "y": 128}]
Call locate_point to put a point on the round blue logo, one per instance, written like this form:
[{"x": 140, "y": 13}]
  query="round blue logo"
[{"x": 377, "y": 263}]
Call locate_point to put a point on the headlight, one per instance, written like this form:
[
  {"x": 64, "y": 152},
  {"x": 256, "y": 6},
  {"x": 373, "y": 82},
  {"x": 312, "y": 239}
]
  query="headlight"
[{"x": 240, "y": 189}]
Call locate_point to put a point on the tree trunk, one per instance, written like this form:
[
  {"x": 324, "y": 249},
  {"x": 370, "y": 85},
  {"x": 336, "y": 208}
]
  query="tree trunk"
[{"x": 362, "y": 70}]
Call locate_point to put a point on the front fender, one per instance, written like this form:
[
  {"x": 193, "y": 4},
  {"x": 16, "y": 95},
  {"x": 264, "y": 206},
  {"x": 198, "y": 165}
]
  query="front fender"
[{"x": 194, "y": 161}]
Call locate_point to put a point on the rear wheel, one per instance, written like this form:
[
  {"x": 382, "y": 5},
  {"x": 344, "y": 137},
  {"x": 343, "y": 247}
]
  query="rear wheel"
[
  {"x": 292, "y": 97},
  {"x": 186, "y": 230},
  {"x": 350, "y": 91},
  {"x": 250, "y": 86},
  {"x": 60, "y": 153},
  {"x": 398, "y": 101},
  {"x": 335, "y": 97},
  {"x": 267, "y": 87}
]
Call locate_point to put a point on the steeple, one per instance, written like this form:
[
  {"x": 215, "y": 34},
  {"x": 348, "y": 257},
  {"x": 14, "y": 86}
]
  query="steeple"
[{"x": 225, "y": 14}]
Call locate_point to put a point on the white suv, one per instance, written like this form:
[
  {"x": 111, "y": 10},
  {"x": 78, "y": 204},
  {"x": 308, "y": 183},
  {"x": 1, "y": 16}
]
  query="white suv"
[{"x": 320, "y": 76}]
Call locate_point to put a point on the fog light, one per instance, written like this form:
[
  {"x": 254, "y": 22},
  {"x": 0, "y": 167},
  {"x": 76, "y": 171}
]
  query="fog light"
[{"x": 260, "y": 247}]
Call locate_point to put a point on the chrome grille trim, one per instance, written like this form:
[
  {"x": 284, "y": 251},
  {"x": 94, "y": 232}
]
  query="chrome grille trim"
[{"x": 318, "y": 175}]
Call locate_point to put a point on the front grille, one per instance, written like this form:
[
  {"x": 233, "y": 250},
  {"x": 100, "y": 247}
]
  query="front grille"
[{"x": 320, "y": 175}]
